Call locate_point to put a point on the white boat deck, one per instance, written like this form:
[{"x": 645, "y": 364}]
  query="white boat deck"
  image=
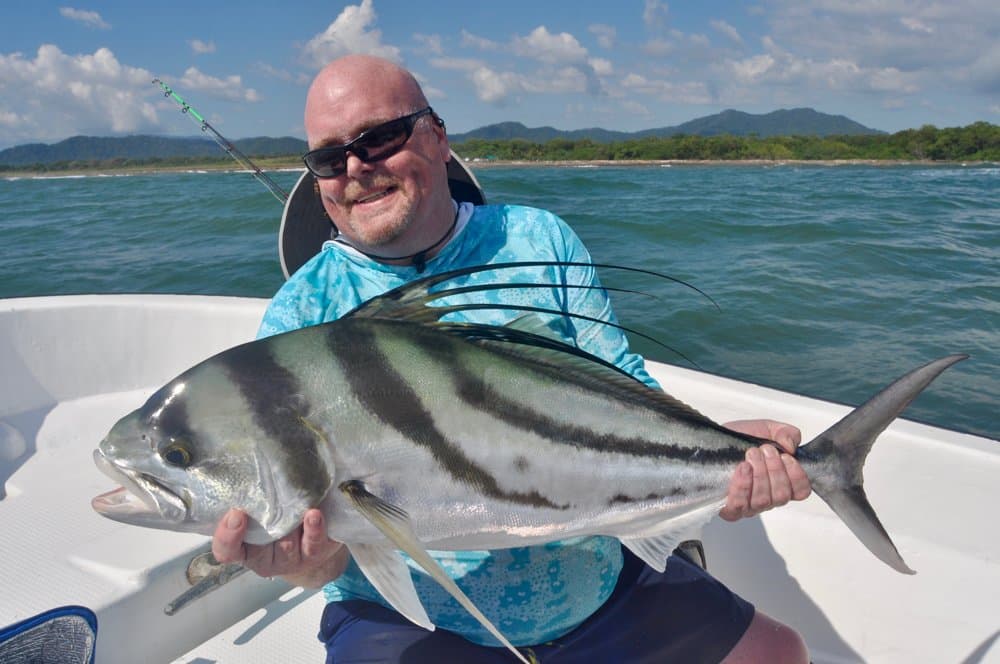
[{"x": 71, "y": 366}]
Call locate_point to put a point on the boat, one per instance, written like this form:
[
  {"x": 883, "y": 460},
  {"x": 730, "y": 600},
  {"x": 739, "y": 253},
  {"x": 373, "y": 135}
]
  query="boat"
[{"x": 72, "y": 365}]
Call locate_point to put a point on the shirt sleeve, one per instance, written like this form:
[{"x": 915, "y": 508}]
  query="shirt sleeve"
[
  {"x": 303, "y": 300},
  {"x": 605, "y": 341}
]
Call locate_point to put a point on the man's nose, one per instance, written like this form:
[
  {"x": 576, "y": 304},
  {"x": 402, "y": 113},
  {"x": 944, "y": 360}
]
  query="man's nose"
[{"x": 356, "y": 166}]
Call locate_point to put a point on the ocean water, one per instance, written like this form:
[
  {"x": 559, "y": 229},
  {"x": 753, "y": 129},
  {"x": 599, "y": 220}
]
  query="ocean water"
[{"x": 830, "y": 281}]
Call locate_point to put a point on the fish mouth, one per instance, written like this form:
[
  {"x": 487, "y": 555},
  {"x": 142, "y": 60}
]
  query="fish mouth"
[{"x": 141, "y": 500}]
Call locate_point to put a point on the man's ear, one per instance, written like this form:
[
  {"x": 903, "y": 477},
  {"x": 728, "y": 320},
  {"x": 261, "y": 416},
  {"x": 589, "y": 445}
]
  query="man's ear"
[{"x": 444, "y": 146}]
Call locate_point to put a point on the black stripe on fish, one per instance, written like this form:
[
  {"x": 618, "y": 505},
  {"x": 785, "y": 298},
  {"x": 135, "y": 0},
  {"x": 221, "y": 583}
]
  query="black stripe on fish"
[
  {"x": 166, "y": 410},
  {"x": 480, "y": 395},
  {"x": 270, "y": 390},
  {"x": 370, "y": 374}
]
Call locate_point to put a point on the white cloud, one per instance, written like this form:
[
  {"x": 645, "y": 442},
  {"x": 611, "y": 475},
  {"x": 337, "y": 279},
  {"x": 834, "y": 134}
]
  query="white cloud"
[
  {"x": 635, "y": 108},
  {"x": 429, "y": 43},
  {"x": 601, "y": 66},
  {"x": 55, "y": 95},
  {"x": 657, "y": 48},
  {"x": 916, "y": 25},
  {"x": 564, "y": 66},
  {"x": 350, "y": 32},
  {"x": 654, "y": 14},
  {"x": 229, "y": 88},
  {"x": 605, "y": 35},
  {"x": 542, "y": 45},
  {"x": 87, "y": 18},
  {"x": 495, "y": 87},
  {"x": 562, "y": 80},
  {"x": 201, "y": 48},
  {"x": 699, "y": 40},
  {"x": 282, "y": 74},
  {"x": 840, "y": 74},
  {"x": 457, "y": 64},
  {"x": 477, "y": 42},
  {"x": 689, "y": 92},
  {"x": 727, "y": 30},
  {"x": 10, "y": 119}
]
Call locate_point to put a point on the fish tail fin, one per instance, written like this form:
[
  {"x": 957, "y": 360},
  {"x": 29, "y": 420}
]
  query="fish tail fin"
[{"x": 834, "y": 460}]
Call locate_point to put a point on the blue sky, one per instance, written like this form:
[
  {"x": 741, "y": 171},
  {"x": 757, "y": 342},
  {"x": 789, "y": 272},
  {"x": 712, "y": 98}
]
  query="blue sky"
[{"x": 84, "y": 67}]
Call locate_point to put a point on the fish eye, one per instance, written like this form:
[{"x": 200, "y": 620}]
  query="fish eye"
[{"x": 176, "y": 455}]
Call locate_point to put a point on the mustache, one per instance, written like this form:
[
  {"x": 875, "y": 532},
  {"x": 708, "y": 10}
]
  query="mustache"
[{"x": 360, "y": 189}]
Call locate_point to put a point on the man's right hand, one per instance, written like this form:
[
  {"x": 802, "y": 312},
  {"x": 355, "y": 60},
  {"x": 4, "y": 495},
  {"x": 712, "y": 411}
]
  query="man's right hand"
[{"x": 305, "y": 557}]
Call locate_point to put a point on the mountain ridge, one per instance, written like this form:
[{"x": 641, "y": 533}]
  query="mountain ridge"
[{"x": 782, "y": 122}]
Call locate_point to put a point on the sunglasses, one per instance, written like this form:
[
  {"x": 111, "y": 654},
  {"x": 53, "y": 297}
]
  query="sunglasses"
[{"x": 380, "y": 142}]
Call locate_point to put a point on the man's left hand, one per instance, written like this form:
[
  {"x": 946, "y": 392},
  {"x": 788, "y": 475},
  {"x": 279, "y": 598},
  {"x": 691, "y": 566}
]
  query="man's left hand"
[{"x": 770, "y": 477}]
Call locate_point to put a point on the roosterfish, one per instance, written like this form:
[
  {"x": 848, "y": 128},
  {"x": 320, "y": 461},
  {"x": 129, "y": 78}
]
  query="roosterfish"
[{"x": 414, "y": 434}]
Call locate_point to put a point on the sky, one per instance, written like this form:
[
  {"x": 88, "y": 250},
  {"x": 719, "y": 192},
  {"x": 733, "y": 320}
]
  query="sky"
[{"x": 86, "y": 66}]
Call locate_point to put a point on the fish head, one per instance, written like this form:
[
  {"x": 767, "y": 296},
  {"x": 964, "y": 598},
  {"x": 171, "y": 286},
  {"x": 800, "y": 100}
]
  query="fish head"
[{"x": 195, "y": 449}]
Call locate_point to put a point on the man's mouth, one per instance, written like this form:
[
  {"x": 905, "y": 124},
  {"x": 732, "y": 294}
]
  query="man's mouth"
[{"x": 374, "y": 196}]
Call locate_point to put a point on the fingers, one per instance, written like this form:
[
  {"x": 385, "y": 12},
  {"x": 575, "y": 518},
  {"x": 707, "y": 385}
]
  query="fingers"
[
  {"x": 767, "y": 479},
  {"x": 786, "y": 436},
  {"x": 738, "y": 496},
  {"x": 306, "y": 556},
  {"x": 768, "y": 485},
  {"x": 314, "y": 540},
  {"x": 801, "y": 488},
  {"x": 227, "y": 542}
]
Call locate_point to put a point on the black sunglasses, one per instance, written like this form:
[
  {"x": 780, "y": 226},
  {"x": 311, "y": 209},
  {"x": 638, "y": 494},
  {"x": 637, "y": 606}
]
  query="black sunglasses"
[{"x": 380, "y": 142}]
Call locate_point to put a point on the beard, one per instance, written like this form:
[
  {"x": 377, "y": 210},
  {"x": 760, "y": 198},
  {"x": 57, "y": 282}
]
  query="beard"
[{"x": 382, "y": 225}]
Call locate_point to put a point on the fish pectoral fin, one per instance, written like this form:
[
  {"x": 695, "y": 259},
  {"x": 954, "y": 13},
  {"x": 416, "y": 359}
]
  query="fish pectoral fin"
[
  {"x": 394, "y": 523},
  {"x": 387, "y": 571}
]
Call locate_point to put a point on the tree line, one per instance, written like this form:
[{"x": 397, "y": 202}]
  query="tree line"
[{"x": 979, "y": 141}]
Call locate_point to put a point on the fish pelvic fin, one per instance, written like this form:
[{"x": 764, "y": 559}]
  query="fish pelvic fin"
[
  {"x": 834, "y": 460},
  {"x": 394, "y": 523}
]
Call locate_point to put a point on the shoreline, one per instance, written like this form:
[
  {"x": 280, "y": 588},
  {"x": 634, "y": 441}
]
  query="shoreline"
[
  {"x": 498, "y": 163},
  {"x": 476, "y": 164}
]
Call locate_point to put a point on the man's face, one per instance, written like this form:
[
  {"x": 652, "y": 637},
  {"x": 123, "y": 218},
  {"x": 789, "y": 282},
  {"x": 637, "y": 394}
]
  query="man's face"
[{"x": 389, "y": 203}]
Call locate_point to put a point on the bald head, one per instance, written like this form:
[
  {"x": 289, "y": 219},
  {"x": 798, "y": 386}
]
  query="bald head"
[
  {"x": 396, "y": 203},
  {"x": 348, "y": 85}
]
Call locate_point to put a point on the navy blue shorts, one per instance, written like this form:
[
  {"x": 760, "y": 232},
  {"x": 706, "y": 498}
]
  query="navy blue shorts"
[{"x": 682, "y": 615}]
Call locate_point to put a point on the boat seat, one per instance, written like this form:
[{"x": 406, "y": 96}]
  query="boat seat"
[{"x": 67, "y": 635}]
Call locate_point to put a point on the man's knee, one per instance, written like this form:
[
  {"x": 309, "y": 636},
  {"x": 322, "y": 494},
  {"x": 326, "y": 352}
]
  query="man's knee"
[{"x": 767, "y": 640}]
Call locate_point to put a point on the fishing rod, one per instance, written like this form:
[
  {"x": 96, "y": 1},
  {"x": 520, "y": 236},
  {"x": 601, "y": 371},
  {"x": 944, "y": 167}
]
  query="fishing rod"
[{"x": 230, "y": 149}]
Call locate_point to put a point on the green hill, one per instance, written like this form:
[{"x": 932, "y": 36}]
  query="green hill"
[
  {"x": 794, "y": 122},
  {"x": 142, "y": 148}
]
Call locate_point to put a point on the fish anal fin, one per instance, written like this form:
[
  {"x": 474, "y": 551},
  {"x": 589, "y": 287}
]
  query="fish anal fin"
[
  {"x": 653, "y": 551},
  {"x": 394, "y": 523},
  {"x": 655, "y": 544}
]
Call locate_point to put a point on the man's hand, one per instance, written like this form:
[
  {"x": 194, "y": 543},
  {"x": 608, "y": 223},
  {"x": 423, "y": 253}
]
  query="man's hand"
[
  {"x": 769, "y": 477},
  {"x": 305, "y": 557}
]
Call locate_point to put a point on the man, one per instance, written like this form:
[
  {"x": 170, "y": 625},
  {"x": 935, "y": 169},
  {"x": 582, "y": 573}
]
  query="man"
[{"x": 379, "y": 154}]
